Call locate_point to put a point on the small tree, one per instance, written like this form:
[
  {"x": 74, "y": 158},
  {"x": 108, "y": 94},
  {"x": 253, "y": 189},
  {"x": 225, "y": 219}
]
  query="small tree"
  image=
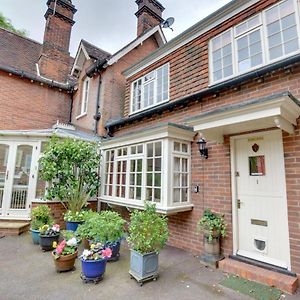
[
  {"x": 6, "y": 23},
  {"x": 71, "y": 168}
]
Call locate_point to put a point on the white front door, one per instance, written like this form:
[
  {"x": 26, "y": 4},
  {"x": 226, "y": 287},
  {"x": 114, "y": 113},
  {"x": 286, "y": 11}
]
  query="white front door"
[
  {"x": 18, "y": 171},
  {"x": 261, "y": 201}
]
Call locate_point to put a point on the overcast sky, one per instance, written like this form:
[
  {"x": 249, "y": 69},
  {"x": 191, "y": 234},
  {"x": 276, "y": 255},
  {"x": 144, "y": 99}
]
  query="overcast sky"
[{"x": 107, "y": 24}]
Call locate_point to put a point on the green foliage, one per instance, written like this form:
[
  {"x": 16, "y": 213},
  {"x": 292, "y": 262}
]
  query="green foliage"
[
  {"x": 213, "y": 223},
  {"x": 71, "y": 216},
  {"x": 67, "y": 234},
  {"x": 71, "y": 167},
  {"x": 40, "y": 216},
  {"x": 6, "y": 24},
  {"x": 105, "y": 227},
  {"x": 148, "y": 231}
]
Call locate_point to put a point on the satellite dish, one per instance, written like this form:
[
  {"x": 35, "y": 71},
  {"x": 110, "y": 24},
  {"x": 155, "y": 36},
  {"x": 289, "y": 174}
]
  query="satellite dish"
[{"x": 168, "y": 23}]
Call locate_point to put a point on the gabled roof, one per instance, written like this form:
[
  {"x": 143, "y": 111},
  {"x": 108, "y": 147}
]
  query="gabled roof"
[
  {"x": 93, "y": 51},
  {"x": 155, "y": 31},
  {"x": 85, "y": 52},
  {"x": 18, "y": 52}
]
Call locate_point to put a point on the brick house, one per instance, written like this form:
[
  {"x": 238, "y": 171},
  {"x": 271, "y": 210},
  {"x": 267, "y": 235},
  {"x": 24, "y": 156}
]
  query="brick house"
[
  {"x": 231, "y": 80},
  {"x": 44, "y": 91}
]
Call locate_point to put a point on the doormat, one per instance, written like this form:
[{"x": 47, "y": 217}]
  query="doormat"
[{"x": 250, "y": 288}]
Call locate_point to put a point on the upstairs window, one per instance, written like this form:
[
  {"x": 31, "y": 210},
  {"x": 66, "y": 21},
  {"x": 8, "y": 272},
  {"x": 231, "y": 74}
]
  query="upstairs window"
[
  {"x": 85, "y": 97},
  {"x": 268, "y": 36},
  {"x": 150, "y": 90}
]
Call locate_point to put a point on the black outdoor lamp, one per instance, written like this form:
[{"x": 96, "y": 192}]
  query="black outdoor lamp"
[{"x": 202, "y": 148}]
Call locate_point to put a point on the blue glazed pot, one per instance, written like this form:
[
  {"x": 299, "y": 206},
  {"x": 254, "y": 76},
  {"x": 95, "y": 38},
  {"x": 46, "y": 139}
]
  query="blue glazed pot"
[
  {"x": 72, "y": 226},
  {"x": 93, "y": 268},
  {"x": 35, "y": 234}
]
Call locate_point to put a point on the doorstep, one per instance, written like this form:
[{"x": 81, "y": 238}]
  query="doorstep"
[
  {"x": 286, "y": 283},
  {"x": 13, "y": 228}
]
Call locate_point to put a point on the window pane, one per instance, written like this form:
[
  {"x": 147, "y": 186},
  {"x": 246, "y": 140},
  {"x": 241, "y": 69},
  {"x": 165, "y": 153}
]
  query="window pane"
[
  {"x": 276, "y": 52},
  {"x": 138, "y": 193},
  {"x": 158, "y": 149},
  {"x": 176, "y": 146},
  {"x": 177, "y": 164},
  {"x": 184, "y": 195},
  {"x": 150, "y": 164},
  {"x": 150, "y": 150},
  {"x": 291, "y": 46},
  {"x": 149, "y": 194},
  {"x": 177, "y": 179},
  {"x": 176, "y": 196},
  {"x": 158, "y": 164},
  {"x": 184, "y": 148},
  {"x": 149, "y": 179},
  {"x": 157, "y": 179}
]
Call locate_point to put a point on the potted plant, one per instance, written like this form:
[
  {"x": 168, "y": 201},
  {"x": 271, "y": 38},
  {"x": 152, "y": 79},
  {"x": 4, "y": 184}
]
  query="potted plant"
[
  {"x": 213, "y": 227},
  {"x": 109, "y": 230},
  {"x": 93, "y": 262},
  {"x": 48, "y": 235},
  {"x": 73, "y": 219},
  {"x": 40, "y": 216},
  {"x": 148, "y": 233},
  {"x": 64, "y": 254},
  {"x": 72, "y": 168},
  {"x": 84, "y": 230}
]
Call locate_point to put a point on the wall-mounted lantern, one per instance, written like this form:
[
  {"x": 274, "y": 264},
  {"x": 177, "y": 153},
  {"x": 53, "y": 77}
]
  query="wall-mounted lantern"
[{"x": 202, "y": 148}]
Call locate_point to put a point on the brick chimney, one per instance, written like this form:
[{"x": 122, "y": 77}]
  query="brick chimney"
[
  {"x": 149, "y": 15},
  {"x": 54, "y": 62}
]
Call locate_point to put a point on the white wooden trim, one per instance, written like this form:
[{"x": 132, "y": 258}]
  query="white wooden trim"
[
  {"x": 81, "y": 48},
  {"x": 190, "y": 34}
]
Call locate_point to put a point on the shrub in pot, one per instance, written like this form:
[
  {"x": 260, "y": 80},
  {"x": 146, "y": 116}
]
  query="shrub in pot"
[
  {"x": 65, "y": 254},
  {"x": 109, "y": 230},
  {"x": 72, "y": 167},
  {"x": 84, "y": 230},
  {"x": 48, "y": 235},
  {"x": 148, "y": 234},
  {"x": 93, "y": 262},
  {"x": 40, "y": 216},
  {"x": 213, "y": 227}
]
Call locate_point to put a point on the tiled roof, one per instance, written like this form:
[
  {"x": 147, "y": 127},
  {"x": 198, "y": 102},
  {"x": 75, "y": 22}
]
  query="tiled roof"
[
  {"x": 18, "y": 52},
  {"x": 95, "y": 52}
]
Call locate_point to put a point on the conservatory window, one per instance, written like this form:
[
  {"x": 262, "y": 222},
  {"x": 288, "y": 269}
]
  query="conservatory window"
[
  {"x": 151, "y": 89},
  {"x": 109, "y": 171}
]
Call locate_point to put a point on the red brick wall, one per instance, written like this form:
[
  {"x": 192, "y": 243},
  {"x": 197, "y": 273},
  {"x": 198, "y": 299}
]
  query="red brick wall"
[
  {"x": 26, "y": 105},
  {"x": 58, "y": 210},
  {"x": 112, "y": 89},
  {"x": 189, "y": 64},
  {"x": 214, "y": 175}
]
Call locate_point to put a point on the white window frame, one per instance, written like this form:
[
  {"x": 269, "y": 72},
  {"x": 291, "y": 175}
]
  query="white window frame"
[
  {"x": 264, "y": 41},
  {"x": 166, "y": 205},
  {"x": 84, "y": 98},
  {"x": 155, "y": 103}
]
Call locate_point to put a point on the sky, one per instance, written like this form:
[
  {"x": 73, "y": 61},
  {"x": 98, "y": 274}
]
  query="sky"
[{"x": 107, "y": 24}]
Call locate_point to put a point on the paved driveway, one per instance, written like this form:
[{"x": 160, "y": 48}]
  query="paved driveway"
[{"x": 28, "y": 273}]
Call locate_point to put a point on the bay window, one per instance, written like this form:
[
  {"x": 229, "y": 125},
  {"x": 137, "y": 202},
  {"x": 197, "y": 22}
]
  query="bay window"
[
  {"x": 150, "y": 90},
  {"x": 155, "y": 170},
  {"x": 268, "y": 36}
]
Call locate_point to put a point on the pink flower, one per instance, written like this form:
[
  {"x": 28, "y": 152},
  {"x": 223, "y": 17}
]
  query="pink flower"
[
  {"x": 106, "y": 253},
  {"x": 60, "y": 247},
  {"x": 56, "y": 227}
]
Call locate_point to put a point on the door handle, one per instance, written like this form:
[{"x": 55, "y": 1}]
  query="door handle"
[{"x": 7, "y": 173}]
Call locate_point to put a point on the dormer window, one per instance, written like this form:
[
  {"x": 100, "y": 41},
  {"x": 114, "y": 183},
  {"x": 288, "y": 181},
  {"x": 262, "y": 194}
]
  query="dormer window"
[
  {"x": 267, "y": 37},
  {"x": 84, "y": 97},
  {"x": 150, "y": 90}
]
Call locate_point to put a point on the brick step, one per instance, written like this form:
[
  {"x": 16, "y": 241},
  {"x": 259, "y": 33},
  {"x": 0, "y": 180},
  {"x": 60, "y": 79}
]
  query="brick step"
[
  {"x": 286, "y": 283},
  {"x": 13, "y": 228}
]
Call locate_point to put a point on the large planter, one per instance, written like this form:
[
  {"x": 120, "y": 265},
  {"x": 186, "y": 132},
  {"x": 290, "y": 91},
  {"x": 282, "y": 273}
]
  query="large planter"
[
  {"x": 212, "y": 247},
  {"x": 93, "y": 269},
  {"x": 46, "y": 241},
  {"x": 35, "y": 234},
  {"x": 115, "y": 248},
  {"x": 72, "y": 225},
  {"x": 143, "y": 267},
  {"x": 65, "y": 263}
]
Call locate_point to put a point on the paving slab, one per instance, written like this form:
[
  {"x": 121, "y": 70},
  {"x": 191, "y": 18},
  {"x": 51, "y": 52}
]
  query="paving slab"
[{"x": 29, "y": 273}]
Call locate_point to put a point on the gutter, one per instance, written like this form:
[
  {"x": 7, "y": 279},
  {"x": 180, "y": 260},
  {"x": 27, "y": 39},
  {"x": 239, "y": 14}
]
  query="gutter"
[
  {"x": 96, "y": 67},
  {"x": 27, "y": 75},
  {"x": 210, "y": 90}
]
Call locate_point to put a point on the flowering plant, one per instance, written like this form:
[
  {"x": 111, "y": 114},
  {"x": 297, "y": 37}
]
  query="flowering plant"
[
  {"x": 49, "y": 230},
  {"x": 96, "y": 252},
  {"x": 64, "y": 248},
  {"x": 78, "y": 216}
]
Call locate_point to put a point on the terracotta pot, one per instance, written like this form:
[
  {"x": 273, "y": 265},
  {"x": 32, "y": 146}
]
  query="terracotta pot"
[{"x": 65, "y": 263}]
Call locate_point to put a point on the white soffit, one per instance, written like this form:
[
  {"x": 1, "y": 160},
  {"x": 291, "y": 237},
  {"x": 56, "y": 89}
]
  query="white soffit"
[{"x": 281, "y": 112}]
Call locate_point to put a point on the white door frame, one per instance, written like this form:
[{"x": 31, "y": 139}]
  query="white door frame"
[
  {"x": 23, "y": 214},
  {"x": 235, "y": 227}
]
